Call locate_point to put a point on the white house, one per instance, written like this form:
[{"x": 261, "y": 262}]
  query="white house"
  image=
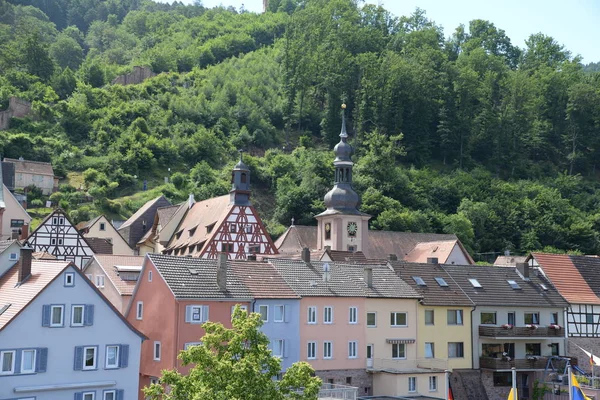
[{"x": 60, "y": 338}]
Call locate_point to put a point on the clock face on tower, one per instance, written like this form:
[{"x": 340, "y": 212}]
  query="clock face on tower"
[{"x": 352, "y": 228}]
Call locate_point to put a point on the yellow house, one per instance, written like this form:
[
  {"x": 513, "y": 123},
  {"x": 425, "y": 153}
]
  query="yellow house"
[{"x": 101, "y": 228}]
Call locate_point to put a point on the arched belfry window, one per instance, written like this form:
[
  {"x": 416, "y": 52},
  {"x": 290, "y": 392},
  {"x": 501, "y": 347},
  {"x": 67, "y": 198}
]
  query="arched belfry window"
[{"x": 243, "y": 177}]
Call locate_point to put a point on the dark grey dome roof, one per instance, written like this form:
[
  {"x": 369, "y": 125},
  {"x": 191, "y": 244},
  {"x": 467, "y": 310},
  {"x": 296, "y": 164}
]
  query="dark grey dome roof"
[
  {"x": 343, "y": 151},
  {"x": 241, "y": 166},
  {"x": 342, "y": 197}
]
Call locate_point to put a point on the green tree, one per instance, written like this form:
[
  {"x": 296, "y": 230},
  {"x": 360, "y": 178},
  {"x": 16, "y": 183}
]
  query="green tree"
[
  {"x": 235, "y": 364},
  {"x": 36, "y": 57}
]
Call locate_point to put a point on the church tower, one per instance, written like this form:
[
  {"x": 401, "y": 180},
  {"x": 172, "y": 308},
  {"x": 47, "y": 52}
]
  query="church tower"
[
  {"x": 342, "y": 226},
  {"x": 240, "y": 184}
]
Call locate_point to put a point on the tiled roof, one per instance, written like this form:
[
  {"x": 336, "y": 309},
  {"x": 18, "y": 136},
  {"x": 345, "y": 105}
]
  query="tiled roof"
[
  {"x": 432, "y": 292},
  {"x": 166, "y": 213},
  {"x": 8, "y": 175},
  {"x": 31, "y": 167},
  {"x": 347, "y": 256},
  {"x": 108, "y": 263},
  {"x": 297, "y": 237},
  {"x": 100, "y": 245},
  {"x": 346, "y": 280},
  {"x": 210, "y": 212},
  {"x": 141, "y": 212},
  {"x": 495, "y": 289},
  {"x": 5, "y": 244},
  {"x": 19, "y": 296},
  {"x": 509, "y": 261},
  {"x": 589, "y": 269},
  {"x": 42, "y": 255},
  {"x": 2, "y": 203},
  {"x": 263, "y": 280},
  {"x": 87, "y": 224},
  {"x": 202, "y": 284},
  {"x": 566, "y": 277},
  {"x": 440, "y": 249}
]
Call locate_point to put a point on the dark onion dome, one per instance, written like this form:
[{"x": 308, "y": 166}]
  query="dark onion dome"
[
  {"x": 343, "y": 150},
  {"x": 342, "y": 198}
]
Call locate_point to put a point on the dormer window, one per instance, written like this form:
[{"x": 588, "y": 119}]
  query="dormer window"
[
  {"x": 210, "y": 227},
  {"x": 192, "y": 231}
]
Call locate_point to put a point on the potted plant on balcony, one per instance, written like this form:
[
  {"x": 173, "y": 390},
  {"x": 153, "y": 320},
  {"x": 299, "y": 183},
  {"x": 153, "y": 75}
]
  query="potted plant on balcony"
[
  {"x": 507, "y": 326},
  {"x": 555, "y": 326},
  {"x": 531, "y": 326}
]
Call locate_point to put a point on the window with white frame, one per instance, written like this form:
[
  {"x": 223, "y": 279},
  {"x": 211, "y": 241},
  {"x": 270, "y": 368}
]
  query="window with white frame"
[
  {"x": 412, "y": 383},
  {"x": 56, "y": 315},
  {"x": 311, "y": 350},
  {"x": 157, "y": 351},
  {"x": 243, "y": 308},
  {"x": 139, "y": 311},
  {"x": 88, "y": 395},
  {"x": 532, "y": 318},
  {"x": 110, "y": 395},
  {"x": 455, "y": 317},
  {"x": 7, "y": 362},
  {"x": 433, "y": 383},
  {"x": 398, "y": 351},
  {"x": 279, "y": 313},
  {"x": 112, "y": 356},
  {"x": 153, "y": 381},
  {"x": 28, "y": 361},
  {"x": 312, "y": 315},
  {"x": 554, "y": 318},
  {"x": 77, "y": 315},
  {"x": 429, "y": 350},
  {"x": 186, "y": 346},
  {"x": 69, "y": 279},
  {"x": 328, "y": 315},
  {"x": 13, "y": 257},
  {"x": 278, "y": 348},
  {"x": 102, "y": 226},
  {"x": 398, "y": 319},
  {"x": 429, "y": 317},
  {"x": 456, "y": 350},
  {"x": 263, "y": 310},
  {"x": 90, "y": 355},
  {"x": 100, "y": 281},
  {"x": 371, "y": 319},
  {"x": 149, "y": 276},
  {"x": 327, "y": 350},
  {"x": 353, "y": 315},
  {"x": 352, "y": 346},
  {"x": 196, "y": 314}
]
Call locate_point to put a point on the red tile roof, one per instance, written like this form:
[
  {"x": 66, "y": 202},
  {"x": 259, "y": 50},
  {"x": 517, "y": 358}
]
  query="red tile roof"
[
  {"x": 440, "y": 249},
  {"x": 108, "y": 263},
  {"x": 563, "y": 274}
]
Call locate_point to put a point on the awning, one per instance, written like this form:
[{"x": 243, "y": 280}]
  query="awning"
[{"x": 400, "y": 341}]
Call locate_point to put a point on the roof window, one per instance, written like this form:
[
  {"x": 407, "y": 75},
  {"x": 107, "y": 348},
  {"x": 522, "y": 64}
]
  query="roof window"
[
  {"x": 441, "y": 281},
  {"x": 419, "y": 281},
  {"x": 475, "y": 283},
  {"x": 544, "y": 287},
  {"x": 513, "y": 284}
]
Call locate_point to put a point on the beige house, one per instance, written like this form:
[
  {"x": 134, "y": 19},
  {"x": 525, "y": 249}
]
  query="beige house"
[
  {"x": 166, "y": 221},
  {"x": 34, "y": 173},
  {"x": 114, "y": 276},
  {"x": 101, "y": 228},
  {"x": 14, "y": 220}
]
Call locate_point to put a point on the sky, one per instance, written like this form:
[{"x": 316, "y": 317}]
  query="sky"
[{"x": 573, "y": 23}]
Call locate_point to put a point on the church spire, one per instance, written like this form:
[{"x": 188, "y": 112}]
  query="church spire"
[{"x": 240, "y": 183}]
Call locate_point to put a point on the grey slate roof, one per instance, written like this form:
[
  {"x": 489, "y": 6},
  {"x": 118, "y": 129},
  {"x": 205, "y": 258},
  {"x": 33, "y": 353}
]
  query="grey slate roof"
[
  {"x": 5, "y": 244},
  {"x": 495, "y": 289},
  {"x": 433, "y": 294},
  {"x": 8, "y": 175},
  {"x": 589, "y": 268},
  {"x": 175, "y": 270},
  {"x": 346, "y": 280}
]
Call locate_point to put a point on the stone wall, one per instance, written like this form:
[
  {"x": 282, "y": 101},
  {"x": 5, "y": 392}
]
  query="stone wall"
[
  {"x": 16, "y": 108},
  {"x": 138, "y": 75},
  {"x": 359, "y": 378},
  {"x": 589, "y": 344},
  {"x": 467, "y": 384}
]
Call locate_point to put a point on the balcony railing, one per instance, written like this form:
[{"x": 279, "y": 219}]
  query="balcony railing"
[
  {"x": 331, "y": 391},
  {"x": 520, "y": 331},
  {"x": 387, "y": 364},
  {"x": 533, "y": 362}
]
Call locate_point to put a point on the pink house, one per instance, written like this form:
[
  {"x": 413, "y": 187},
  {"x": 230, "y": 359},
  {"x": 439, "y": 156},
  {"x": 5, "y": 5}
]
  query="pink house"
[{"x": 173, "y": 297}]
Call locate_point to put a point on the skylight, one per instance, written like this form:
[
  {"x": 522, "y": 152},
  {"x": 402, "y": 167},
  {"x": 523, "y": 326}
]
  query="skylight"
[
  {"x": 419, "y": 281},
  {"x": 544, "y": 287},
  {"x": 513, "y": 284},
  {"x": 4, "y": 308},
  {"x": 441, "y": 281},
  {"x": 475, "y": 283}
]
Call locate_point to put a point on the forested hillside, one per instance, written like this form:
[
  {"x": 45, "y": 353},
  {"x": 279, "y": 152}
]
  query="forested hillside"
[{"x": 460, "y": 132}]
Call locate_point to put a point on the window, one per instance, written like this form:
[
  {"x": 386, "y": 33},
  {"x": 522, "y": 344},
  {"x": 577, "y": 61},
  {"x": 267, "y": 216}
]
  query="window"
[
  {"x": 102, "y": 226},
  {"x": 348, "y": 380},
  {"x": 328, "y": 315},
  {"x": 100, "y": 281},
  {"x": 279, "y": 314},
  {"x": 533, "y": 349},
  {"x": 327, "y": 346},
  {"x": 398, "y": 351},
  {"x": 502, "y": 379},
  {"x": 456, "y": 350},
  {"x": 13, "y": 257},
  {"x": 112, "y": 357},
  {"x": 90, "y": 277},
  {"x": 412, "y": 383},
  {"x": 419, "y": 281},
  {"x": 157, "y": 351},
  {"x": 475, "y": 283},
  {"x": 371, "y": 319},
  {"x": 60, "y": 241},
  {"x": 89, "y": 357},
  {"x": 28, "y": 361},
  {"x": 554, "y": 349},
  {"x": 233, "y": 228},
  {"x": 110, "y": 395},
  {"x": 429, "y": 350},
  {"x": 154, "y": 381},
  {"x": 398, "y": 319},
  {"x": 77, "y": 315},
  {"x": 455, "y": 317},
  {"x": 370, "y": 351},
  {"x": 7, "y": 361},
  {"x": 263, "y": 310},
  {"x": 311, "y": 350},
  {"x": 513, "y": 284},
  {"x": 227, "y": 247},
  {"x": 248, "y": 228},
  {"x": 54, "y": 221},
  {"x": 139, "y": 310},
  {"x": 149, "y": 276},
  {"x": 512, "y": 318},
  {"x": 278, "y": 346},
  {"x": 428, "y": 317},
  {"x": 312, "y": 315},
  {"x": 254, "y": 249},
  {"x": 352, "y": 349},
  {"x": 196, "y": 314},
  {"x": 186, "y": 346},
  {"x": 243, "y": 308},
  {"x": 56, "y": 316},
  {"x": 441, "y": 281},
  {"x": 61, "y": 221},
  {"x": 69, "y": 279},
  {"x": 88, "y": 395},
  {"x": 433, "y": 383},
  {"x": 353, "y": 317},
  {"x": 532, "y": 318},
  {"x": 488, "y": 318},
  {"x": 554, "y": 318},
  {"x": 589, "y": 318},
  {"x": 53, "y": 241},
  {"x": 17, "y": 223}
]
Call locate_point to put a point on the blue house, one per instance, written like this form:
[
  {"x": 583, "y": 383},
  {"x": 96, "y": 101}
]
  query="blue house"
[
  {"x": 278, "y": 305},
  {"x": 62, "y": 339}
]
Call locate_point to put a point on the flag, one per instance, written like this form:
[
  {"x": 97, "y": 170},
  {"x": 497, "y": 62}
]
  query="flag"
[
  {"x": 576, "y": 391},
  {"x": 513, "y": 394},
  {"x": 592, "y": 363},
  {"x": 450, "y": 395}
]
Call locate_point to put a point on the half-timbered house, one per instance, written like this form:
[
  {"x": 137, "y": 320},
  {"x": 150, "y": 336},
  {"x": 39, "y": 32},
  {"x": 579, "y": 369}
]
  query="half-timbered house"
[{"x": 57, "y": 236}]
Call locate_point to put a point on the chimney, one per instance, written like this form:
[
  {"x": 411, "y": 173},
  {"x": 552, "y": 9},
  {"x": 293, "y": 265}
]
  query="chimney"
[
  {"x": 222, "y": 272},
  {"x": 191, "y": 200},
  {"x": 368, "y": 276},
  {"x": 523, "y": 268},
  {"x": 392, "y": 257},
  {"x": 251, "y": 257},
  {"x": 25, "y": 263},
  {"x": 306, "y": 255},
  {"x": 432, "y": 260},
  {"x": 328, "y": 248}
]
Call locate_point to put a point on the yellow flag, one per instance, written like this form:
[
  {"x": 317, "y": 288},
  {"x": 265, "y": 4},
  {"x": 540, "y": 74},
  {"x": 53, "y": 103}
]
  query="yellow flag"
[{"x": 513, "y": 394}]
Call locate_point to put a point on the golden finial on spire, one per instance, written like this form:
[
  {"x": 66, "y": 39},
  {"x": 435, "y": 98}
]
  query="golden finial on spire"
[{"x": 343, "y": 106}]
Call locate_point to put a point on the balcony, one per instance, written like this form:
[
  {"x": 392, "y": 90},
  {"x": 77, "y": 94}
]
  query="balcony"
[
  {"x": 520, "y": 332},
  {"x": 330, "y": 391},
  {"x": 535, "y": 362},
  {"x": 400, "y": 366}
]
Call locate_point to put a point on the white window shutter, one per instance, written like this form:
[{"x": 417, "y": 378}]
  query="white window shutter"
[
  {"x": 204, "y": 313},
  {"x": 188, "y": 314},
  {"x": 286, "y": 313}
]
